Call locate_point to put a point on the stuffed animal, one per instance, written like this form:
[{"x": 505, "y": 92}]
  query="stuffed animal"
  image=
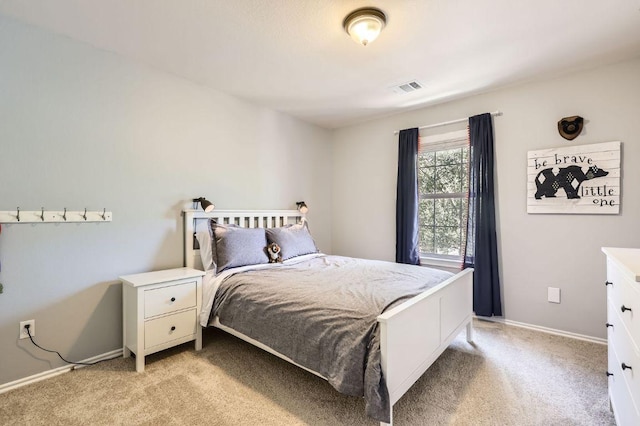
[{"x": 273, "y": 251}]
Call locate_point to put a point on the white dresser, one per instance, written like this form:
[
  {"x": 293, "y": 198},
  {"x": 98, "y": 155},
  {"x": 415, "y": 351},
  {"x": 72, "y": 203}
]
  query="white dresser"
[
  {"x": 623, "y": 325},
  {"x": 160, "y": 310}
]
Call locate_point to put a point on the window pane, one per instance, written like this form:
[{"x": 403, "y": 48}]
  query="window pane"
[
  {"x": 464, "y": 210},
  {"x": 426, "y": 240},
  {"x": 465, "y": 169},
  {"x": 449, "y": 156},
  {"x": 426, "y": 180},
  {"x": 448, "y": 212},
  {"x": 448, "y": 241},
  {"x": 465, "y": 179},
  {"x": 427, "y": 158},
  {"x": 425, "y": 213},
  {"x": 448, "y": 179}
]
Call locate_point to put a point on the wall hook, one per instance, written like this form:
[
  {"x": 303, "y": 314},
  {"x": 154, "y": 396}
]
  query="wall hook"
[{"x": 42, "y": 216}]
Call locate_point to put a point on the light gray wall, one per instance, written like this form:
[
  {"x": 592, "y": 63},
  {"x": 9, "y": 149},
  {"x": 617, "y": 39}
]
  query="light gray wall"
[
  {"x": 80, "y": 127},
  {"x": 536, "y": 251}
]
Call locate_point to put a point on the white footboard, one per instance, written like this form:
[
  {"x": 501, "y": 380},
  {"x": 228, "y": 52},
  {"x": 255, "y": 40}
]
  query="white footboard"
[{"x": 414, "y": 334}]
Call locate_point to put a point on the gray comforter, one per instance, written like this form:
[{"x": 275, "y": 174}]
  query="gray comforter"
[{"x": 321, "y": 313}]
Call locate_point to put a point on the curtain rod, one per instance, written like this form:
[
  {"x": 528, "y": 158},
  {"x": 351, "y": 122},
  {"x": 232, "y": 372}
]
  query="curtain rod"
[{"x": 446, "y": 123}]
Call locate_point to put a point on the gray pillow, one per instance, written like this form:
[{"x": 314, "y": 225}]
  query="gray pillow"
[
  {"x": 294, "y": 240},
  {"x": 236, "y": 246}
]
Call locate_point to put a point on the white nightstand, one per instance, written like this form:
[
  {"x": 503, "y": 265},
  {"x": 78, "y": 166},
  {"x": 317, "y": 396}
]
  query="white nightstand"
[{"x": 160, "y": 309}]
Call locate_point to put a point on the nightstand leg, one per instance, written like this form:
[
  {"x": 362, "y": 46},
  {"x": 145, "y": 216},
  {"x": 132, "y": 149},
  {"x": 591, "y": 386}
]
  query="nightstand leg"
[
  {"x": 198, "y": 337},
  {"x": 139, "y": 363},
  {"x": 126, "y": 352}
]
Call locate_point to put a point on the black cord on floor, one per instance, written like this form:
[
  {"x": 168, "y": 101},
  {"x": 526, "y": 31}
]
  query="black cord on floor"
[{"x": 61, "y": 357}]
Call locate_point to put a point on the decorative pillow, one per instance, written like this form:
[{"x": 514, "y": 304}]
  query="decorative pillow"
[
  {"x": 236, "y": 246},
  {"x": 294, "y": 240}
]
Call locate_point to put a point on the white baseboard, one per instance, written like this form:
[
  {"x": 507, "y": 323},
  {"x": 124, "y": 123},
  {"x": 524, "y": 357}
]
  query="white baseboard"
[
  {"x": 545, "y": 330},
  {"x": 6, "y": 387}
]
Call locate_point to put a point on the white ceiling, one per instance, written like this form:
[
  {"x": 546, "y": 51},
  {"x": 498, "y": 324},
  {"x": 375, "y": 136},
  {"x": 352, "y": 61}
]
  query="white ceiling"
[{"x": 294, "y": 56}]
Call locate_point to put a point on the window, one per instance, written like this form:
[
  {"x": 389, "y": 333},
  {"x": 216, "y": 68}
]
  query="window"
[{"x": 443, "y": 180}]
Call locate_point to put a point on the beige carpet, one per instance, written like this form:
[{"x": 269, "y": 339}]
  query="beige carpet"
[{"x": 511, "y": 376}]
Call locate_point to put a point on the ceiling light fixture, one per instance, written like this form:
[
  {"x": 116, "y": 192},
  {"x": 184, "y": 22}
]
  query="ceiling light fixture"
[{"x": 364, "y": 25}]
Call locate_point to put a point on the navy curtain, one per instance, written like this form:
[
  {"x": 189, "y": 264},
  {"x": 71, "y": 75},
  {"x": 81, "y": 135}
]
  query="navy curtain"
[
  {"x": 407, "y": 199},
  {"x": 481, "y": 251}
]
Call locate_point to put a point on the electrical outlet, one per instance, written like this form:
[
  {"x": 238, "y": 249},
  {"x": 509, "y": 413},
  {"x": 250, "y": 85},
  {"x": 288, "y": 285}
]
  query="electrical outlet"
[
  {"x": 553, "y": 294},
  {"x": 23, "y": 329}
]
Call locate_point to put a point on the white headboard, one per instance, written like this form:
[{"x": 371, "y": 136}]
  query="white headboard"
[{"x": 198, "y": 219}]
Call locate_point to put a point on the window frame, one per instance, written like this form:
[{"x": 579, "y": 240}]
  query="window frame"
[{"x": 441, "y": 142}]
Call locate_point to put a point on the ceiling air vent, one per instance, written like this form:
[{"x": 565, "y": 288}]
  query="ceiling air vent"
[{"x": 408, "y": 87}]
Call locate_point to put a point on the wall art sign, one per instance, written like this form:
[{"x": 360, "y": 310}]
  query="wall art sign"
[{"x": 582, "y": 179}]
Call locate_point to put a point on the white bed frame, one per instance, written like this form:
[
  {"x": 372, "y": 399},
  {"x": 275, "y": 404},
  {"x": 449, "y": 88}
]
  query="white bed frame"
[{"x": 412, "y": 335}]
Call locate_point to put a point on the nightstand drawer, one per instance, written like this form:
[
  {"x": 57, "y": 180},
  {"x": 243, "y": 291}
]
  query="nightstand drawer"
[
  {"x": 168, "y": 299},
  {"x": 172, "y": 327}
]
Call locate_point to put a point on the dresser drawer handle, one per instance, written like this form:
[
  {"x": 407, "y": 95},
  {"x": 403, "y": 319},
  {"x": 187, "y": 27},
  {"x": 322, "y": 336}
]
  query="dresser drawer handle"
[
  {"x": 625, "y": 366},
  {"x": 609, "y": 325},
  {"x": 608, "y": 283},
  {"x": 624, "y": 308},
  {"x": 609, "y": 374},
  {"x": 173, "y": 299},
  {"x": 173, "y": 328}
]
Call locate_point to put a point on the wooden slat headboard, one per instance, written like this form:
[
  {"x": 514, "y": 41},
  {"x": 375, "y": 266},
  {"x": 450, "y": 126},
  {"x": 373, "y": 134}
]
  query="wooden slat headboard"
[{"x": 198, "y": 219}]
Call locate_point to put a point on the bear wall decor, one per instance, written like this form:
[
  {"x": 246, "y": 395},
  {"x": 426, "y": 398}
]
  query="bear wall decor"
[
  {"x": 568, "y": 178},
  {"x": 574, "y": 179}
]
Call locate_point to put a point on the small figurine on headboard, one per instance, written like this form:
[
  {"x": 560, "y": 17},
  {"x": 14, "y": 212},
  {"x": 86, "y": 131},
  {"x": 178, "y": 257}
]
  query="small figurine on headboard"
[{"x": 273, "y": 251}]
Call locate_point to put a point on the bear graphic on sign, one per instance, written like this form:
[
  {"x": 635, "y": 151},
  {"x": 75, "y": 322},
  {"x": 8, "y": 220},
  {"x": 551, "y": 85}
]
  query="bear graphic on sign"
[{"x": 568, "y": 178}]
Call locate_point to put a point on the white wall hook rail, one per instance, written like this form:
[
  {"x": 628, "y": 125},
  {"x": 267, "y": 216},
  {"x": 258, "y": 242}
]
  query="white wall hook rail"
[{"x": 48, "y": 216}]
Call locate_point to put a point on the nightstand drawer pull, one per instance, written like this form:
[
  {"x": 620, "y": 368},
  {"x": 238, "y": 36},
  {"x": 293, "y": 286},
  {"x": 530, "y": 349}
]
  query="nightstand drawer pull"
[
  {"x": 173, "y": 328},
  {"x": 609, "y": 325},
  {"x": 609, "y": 374},
  {"x": 624, "y": 308},
  {"x": 625, "y": 367},
  {"x": 173, "y": 299},
  {"x": 608, "y": 283}
]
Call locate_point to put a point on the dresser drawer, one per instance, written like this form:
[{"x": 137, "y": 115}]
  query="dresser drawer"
[
  {"x": 625, "y": 354},
  {"x": 618, "y": 335},
  {"x": 164, "y": 300},
  {"x": 624, "y": 407},
  {"x": 172, "y": 327},
  {"x": 624, "y": 292}
]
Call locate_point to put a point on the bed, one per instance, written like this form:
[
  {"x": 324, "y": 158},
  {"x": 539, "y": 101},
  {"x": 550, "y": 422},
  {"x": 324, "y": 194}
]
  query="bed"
[{"x": 404, "y": 338}]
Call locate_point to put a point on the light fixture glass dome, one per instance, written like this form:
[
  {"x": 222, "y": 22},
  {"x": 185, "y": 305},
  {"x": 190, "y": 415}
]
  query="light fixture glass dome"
[{"x": 364, "y": 25}]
